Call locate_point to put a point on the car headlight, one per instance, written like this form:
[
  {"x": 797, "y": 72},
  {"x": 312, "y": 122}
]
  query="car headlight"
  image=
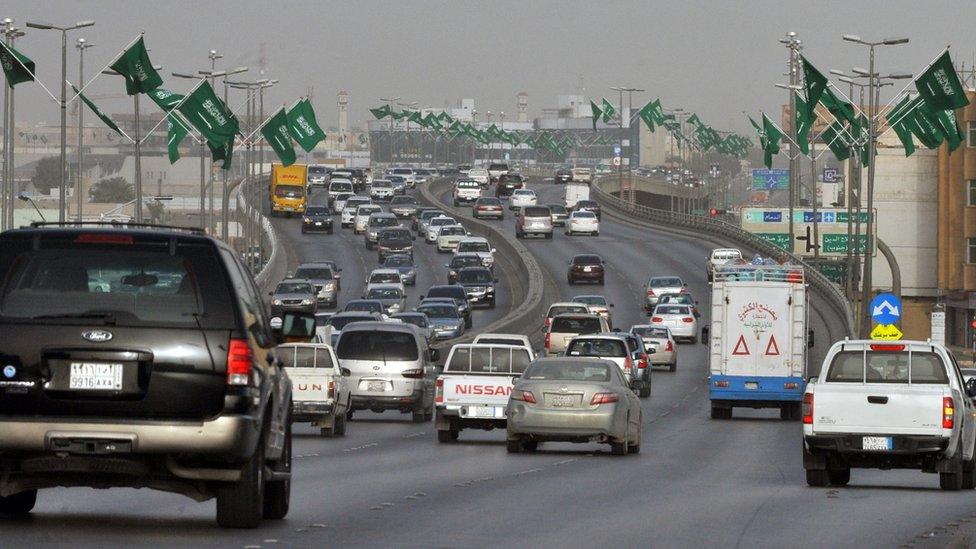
[
  {"x": 329, "y": 287},
  {"x": 276, "y": 302},
  {"x": 395, "y": 307},
  {"x": 307, "y": 301},
  {"x": 306, "y": 219}
]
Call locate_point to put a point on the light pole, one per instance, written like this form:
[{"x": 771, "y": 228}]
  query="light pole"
[
  {"x": 620, "y": 167},
  {"x": 389, "y": 103},
  {"x": 225, "y": 201},
  {"x": 675, "y": 113},
  {"x": 7, "y": 216},
  {"x": 474, "y": 142},
  {"x": 501, "y": 146},
  {"x": 62, "y": 190},
  {"x": 411, "y": 105},
  {"x": 81, "y": 46},
  {"x": 491, "y": 144},
  {"x": 24, "y": 198},
  {"x": 794, "y": 46}
]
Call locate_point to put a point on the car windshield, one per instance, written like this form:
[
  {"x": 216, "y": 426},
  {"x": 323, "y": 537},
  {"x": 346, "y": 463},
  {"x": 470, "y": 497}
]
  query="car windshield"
[
  {"x": 649, "y": 332},
  {"x": 430, "y": 214},
  {"x": 396, "y": 234},
  {"x": 382, "y": 221},
  {"x": 402, "y": 200},
  {"x": 340, "y": 322},
  {"x": 378, "y": 345},
  {"x": 316, "y": 170},
  {"x": 465, "y": 261},
  {"x": 442, "y": 221},
  {"x": 402, "y": 171},
  {"x": 338, "y": 186},
  {"x": 289, "y": 191},
  {"x": 597, "y": 347},
  {"x": 294, "y": 288},
  {"x": 567, "y": 371},
  {"x": 317, "y": 210},
  {"x": 368, "y": 306},
  {"x": 382, "y": 278},
  {"x": 474, "y": 247},
  {"x": 671, "y": 310},
  {"x": 475, "y": 276},
  {"x": 664, "y": 282},
  {"x": 317, "y": 273},
  {"x": 591, "y": 299},
  {"x": 384, "y": 293},
  {"x": 584, "y": 215},
  {"x": 561, "y": 309},
  {"x": 452, "y": 231},
  {"x": 438, "y": 311},
  {"x": 887, "y": 367},
  {"x": 576, "y": 325},
  {"x": 418, "y": 320},
  {"x": 367, "y": 210},
  {"x": 381, "y": 184},
  {"x": 557, "y": 208},
  {"x": 587, "y": 260},
  {"x": 355, "y": 203}
]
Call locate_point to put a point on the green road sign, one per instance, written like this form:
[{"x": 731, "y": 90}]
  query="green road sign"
[
  {"x": 837, "y": 243},
  {"x": 842, "y": 217},
  {"x": 781, "y": 240},
  {"x": 835, "y": 272},
  {"x": 698, "y": 212}
]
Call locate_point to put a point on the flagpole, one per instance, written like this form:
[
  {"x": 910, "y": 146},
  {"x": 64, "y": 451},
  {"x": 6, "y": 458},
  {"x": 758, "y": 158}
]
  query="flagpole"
[
  {"x": 33, "y": 76},
  {"x": 99, "y": 72},
  {"x": 898, "y": 95},
  {"x": 138, "y": 145}
]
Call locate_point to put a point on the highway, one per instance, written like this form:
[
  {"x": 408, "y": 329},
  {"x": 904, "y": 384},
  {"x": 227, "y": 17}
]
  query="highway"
[{"x": 697, "y": 482}]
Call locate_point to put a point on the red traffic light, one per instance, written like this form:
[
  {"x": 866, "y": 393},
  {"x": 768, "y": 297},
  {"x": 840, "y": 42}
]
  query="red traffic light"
[
  {"x": 973, "y": 324},
  {"x": 714, "y": 212}
]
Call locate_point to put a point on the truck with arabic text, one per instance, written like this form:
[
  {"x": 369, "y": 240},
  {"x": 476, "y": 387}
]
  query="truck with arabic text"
[
  {"x": 758, "y": 339},
  {"x": 288, "y": 190}
]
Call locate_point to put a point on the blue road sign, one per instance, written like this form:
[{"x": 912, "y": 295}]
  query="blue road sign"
[
  {"x": 616, "y": 150},
  {"x": 886, "y": 309},
  {"x": 770, "y": 179}
]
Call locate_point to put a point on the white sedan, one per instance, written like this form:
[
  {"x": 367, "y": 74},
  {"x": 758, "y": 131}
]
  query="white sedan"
[
  {"x": 434, "y": 226},
  {"x": 583, "y": 222},
  {"x": 523, "y": 198},
  {"x": 449, "y": 236},
  {"x": 678, "y": 318},
  {"x": 660, "y": 346}
]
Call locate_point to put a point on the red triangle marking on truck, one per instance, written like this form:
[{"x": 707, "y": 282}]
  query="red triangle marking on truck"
[
  {"x": 772, "y": 349},
  {"x": 741, "y": 348}
]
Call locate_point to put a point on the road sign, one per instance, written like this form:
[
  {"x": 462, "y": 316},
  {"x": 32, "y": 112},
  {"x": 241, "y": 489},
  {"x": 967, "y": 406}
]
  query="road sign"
[
  {"x": 886, "y": 332},
  {"x": 616, "y": 150},
  {"x": 782, "y": 240},
  {"x": 830, "y": 175},
  {"x": 616, "y": 161},
  {"x": 770, "y": 179},
  {"x": 938, "y": 327},
  {"x": 831, "y": 227},
  {"x": 886, "y": 309}
]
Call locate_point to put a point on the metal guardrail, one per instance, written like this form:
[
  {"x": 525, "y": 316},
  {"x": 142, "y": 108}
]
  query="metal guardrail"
[
  {"x": 261, "y": 277},
  {"x": 818, "y": 282}
]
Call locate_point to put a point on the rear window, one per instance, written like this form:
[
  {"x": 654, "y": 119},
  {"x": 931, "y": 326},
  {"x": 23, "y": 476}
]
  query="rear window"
[
  {"x": 305, "y": 357},
  {"x": 439, "y": 311},
  {"x": 646, "y": 331},
  {"x": 489, "y": 202},
  {"x": 587, "y": 260},
  {"x": 562, "y": 309},
  {"x": 475, "y": 276},
  {"x": 139, "y": 284},
  {"x": 568, "y": 371},
  {"x": 536, "y": 211},
  {"x": 584, "y": 215},
  {"x": 473, "y": 247},
  {"x": 664, "y": 282},
  {"x": 887, "y": 367},
  {"x": 323, "y": 273},
  {"x": 597, "y": 300},
  {"x": 500, "y": 341},
  {"x": 498, "y": 167},
  {"x": 488, "y": 360},
  {"x": 671, "y": 310},
  {"x": 340, "y": 186},
  {"x": 468, "y": 185},
  {"x": 380, "y": 278},
  {"x": 381, "y": 345},
  {"x": 340, "y": 322},
  {"x": 576, "y": 325},
  {"x": 378, "y": 183},
  {"x": 453, "y": 292},
  {"x": 368, "y": 306},
  {"x": 597, "y": 348},
  {"x": 384, "y": 293}
]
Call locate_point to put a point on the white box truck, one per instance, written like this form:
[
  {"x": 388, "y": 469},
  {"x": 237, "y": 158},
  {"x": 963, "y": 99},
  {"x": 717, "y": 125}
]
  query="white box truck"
[
  {"x": 758, "y": 339},
  {"x": 576, "y": 191}
]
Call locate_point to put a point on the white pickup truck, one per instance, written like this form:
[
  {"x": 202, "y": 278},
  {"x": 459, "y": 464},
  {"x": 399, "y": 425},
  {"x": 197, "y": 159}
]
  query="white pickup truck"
[
  {"x": 320, "y": 394},
  {"x": 472, "y": 392},
  {"x": 889, "y": 405}
]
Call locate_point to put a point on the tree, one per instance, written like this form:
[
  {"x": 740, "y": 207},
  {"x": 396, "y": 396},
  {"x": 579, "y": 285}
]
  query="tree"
[
  {"x": 114, "y": 190},
  {"x": 47, "y": 174}
]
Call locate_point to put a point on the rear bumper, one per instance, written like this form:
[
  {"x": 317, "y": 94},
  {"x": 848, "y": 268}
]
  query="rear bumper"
[
  {"x": 310, "y": 411},
  {"x": 376, "y": 402},
  {"x": 586, "y": 276},
  {"x": 561, "y": 424},
  {"x": 756, "y": 391},
  {"x": 489, "y": 213}
]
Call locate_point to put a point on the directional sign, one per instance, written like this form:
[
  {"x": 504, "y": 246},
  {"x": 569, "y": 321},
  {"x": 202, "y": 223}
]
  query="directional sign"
[
  {"x": 886, "y": 332},
  {"x": 830, "y": 175},
  {"x": 831, "y": 231},
  {"x": 886, "y": 309},
  {"x": 770, "y": 179}
]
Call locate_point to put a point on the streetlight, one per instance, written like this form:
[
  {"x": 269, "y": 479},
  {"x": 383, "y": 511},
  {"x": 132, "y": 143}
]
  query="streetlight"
[
  {"x": 389, "y": 103},
  {"x": 474, "y": 142},
  {"x": 491, "y": 144},
  {"x": 62, "y": 203},
  {"x": 81, "y": 46},
  {"x": 24, "y": 198},
  {"x": 620, "y": 167},
  {"x": 873, "y": 100},
  {"x": 10, "y": 32},
  {"x": 501, "y": 146}
]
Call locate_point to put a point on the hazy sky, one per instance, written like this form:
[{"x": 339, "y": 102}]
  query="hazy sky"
[{"x": 716, "y": 57}]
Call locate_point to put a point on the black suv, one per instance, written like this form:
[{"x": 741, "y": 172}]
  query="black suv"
[
  {"x": 394, "y": 241},
  {"x": 507, "y": 184},
  {"x": 562, "y": 175},
  {"x": 479, "y": 285},
  {"x": 460, "y": 261},
  {"x": 317, "y": 219},
  {"x": 141, "y": 358}
]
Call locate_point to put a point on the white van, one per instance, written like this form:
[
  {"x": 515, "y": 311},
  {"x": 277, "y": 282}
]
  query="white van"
[{"x": 391, "y": 368}]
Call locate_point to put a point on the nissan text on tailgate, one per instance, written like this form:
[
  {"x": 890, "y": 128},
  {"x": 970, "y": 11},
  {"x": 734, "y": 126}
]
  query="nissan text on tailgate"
[
  {"x": 889, "y": 405},
  {"x": 473, "y": 390}
]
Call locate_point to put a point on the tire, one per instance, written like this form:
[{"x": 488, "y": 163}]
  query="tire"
[
  {"x": 721, "y": 412},
  {"x": 969, "y": 474},
  {"x": 673, "y": 366},
  {"x": 817, "y": 478},
  {"x": 785, "y": 412},
  {"x": 418, "y": 415},
  {"x": 839, "y": 477},
  {"x": 446, "y": 436},
  {"x": 596, "y": 233},
  {"x": 340, "y": 425},
  {"x": 600, "y": 282},
  {"x": 570, "y": 281},
  {"x": 20, "y": 503},
  {"x": 548, "y": 236},
  {"x": 634, "y": 448},
  {"x": 513, "y": 445},
  {"x": 530, "y": 445},
  {"x": 241, "y": 504},
  {"x": 618, "y": 448},
  {"x": 694, "y": 340},
  {"x": 518, "y": 235},
  {"x": 952, "y": 481},
  {"x": 429, "y": 414},
  {"x": 645, "y": 390},
  {"x": 349, "y": 415},
  {"x": 277, "y": 494},
  {"x": 468, "y": 323}
]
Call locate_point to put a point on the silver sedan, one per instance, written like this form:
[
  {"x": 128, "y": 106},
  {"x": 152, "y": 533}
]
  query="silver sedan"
[{"x": 565, "y": 399}]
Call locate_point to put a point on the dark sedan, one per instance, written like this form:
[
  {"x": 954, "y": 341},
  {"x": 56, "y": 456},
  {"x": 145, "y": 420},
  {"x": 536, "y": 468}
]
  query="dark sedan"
[
  {"x": 586, "y": 268},
  {"x": 317, "y": 219}
]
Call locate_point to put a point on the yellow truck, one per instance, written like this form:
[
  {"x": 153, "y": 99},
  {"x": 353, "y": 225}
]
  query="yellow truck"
[{"x": 288, "y": 191}]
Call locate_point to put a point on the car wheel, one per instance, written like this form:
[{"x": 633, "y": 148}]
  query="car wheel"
[
  {"x": 468, "y": 323},
  {"x": 694, "y": 340},
  {"x": 673, "y": 366},
  {"x": 839, "y": 477},
  {"x": 491, "y": 304},
  {"x": 20, "y": 503},
  {"x": 601, "y": 282},
  {"x": 548, "y": 236},
  {"x": 418, "y": 415},
  {"x": 634, "y": 448},
  {"x": 240, "y": 504},
  {"x": 329, "y": 430},
  {"x": 618, "y": 448},
  {"x": 349, "y": 415},
  {"x": 340, "y": 425},
  {"x": 513, "y": 445},
  {"x": 277, "y": 493},
  {"x": 303, "y": 230},
  {"x": 530, "y": 445},
  {"x": 570, "y": 281},
  {"x": 817, "y": 478}
]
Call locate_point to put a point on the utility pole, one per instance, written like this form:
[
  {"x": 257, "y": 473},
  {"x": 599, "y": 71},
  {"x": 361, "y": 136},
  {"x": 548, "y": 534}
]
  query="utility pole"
[
  {"x": 8, "y": 192},
  {"x": 793, "y": 45},
  {"x": 81, "y": 45},
  {"x": 389, "y": 103}
]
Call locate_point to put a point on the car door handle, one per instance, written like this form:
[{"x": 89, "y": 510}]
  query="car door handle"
[{"x": 878, "y": 400}]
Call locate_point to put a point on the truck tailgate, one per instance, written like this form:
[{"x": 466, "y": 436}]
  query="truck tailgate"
[
  {"x": 478, "y": 395},
  {"x": 878, "y": 408},
  {"x": 310, "y": 384}
]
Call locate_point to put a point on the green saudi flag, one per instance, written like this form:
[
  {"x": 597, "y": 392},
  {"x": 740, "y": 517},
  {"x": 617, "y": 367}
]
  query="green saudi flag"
[
  {"x": 898, "y": 118},
  {"x": 166, "y": 99},
  {"x": 303, "y": 127},
  {"x": 608, "y": 111},
  {"x": 175, "y": 132},
  {"x": 362, "y": 139},
  {"x": 208, "y": 114},
  {"x": 773, "y": 136},
  {"x": 946, "y": 123},
  {"x": 596, "y": 113},
  {"x": 694, "y": 120},
  {"x": 648, "y": 116},
  {"x": 98, "y": 112},
  {"x": 814, "y": 82},
  {"x": 837, "y": 141},
  {"x": 222, "y": 153},
  {"x": 275, "y": 130},
  {"x": 381, "y": 112},
  {"x": 837, "y": 106},
  {"x": 922, "y": 126},
  {"x": 138, "y": 71},
  {"x": 803, "y": 123},
  {"x": 17, "y": 67},
  {"x": 939, "y": 86}
]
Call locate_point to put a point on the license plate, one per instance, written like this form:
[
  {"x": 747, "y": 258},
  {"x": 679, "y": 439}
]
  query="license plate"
[
  {"x": 563, "y": 401},
  {"x": 318, "y": 222},
  {"x": 376, "y": 386},
  {"x": 495, "y": 412},
  {"x": 752, "y": 385},
  {"x": 876, "y": 443},
  {"x": 587, "y": 269},
  {"x": 95, "y": 376}
]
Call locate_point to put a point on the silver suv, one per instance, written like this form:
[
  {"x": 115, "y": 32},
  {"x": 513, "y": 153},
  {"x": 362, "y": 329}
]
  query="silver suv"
[{"x": 534, "y": 220}]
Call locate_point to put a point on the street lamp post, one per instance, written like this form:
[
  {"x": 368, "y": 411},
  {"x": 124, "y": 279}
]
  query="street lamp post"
[
  {"x": 491, "y": 144},
  {"x": 873, "y": 99},
  {"x": 7, "y": 216},
  {"x": 474, "y": 142},
  {"x": 501, "y": 146},
  {"x": 62, "y": 190},
  {"x": 620, "y": 167},
  {"x": 793, "y": 45},
  {"x": 81, "y": 46}
]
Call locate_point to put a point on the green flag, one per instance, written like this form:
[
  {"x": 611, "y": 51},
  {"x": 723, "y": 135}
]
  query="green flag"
[
  {"x": 381, "y": 112},
  {"x": 596, "y": 113},
  {"x": 898, "y": 120},
  {"x": 445, "y": 118},
  {"x": 208, "y": 114},
  {"x": 303, "y": 127},
  {"x": 862, "y": 131},
  {"x": 362, "y": 139},
  {"x": 803, "y": 123},
  {"x": 814, "y": 83},
  {"x": 222, "y": 153},
  {"x": 773, "y": 136},
  {"x": 837, "y": 141},
  {"x": 946, "y": 122},
  {"x": 922, "y": 125},
  {"x": 175, "y": 132},
  {"x": 693, "y": 120},
  {"x": 275, "y": 130},
  {"x": 134, "y": 65},
  {"x": 647, "y": 115},
  {"x": 17, "y": 67},
  {"x": 98, "y": 112},
  {"x": 415, "y": 118},
  {"x": 166, "y": 99},
  {"x": 837, "y": 106},
  {"x": 608, "y": 111},
  {"x": 396, "y": 115},
  {"x": 939, "y": 85}
]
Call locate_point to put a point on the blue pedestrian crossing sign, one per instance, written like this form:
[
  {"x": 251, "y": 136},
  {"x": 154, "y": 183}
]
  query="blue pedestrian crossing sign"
[{"x": 886, "y": 309}]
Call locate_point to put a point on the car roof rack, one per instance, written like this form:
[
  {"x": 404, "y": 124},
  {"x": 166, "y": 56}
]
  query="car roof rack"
[{"x": 115, "y": 224}]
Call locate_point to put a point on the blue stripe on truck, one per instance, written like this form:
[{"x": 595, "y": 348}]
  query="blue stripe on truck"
[{"x": 771, "y": 388}]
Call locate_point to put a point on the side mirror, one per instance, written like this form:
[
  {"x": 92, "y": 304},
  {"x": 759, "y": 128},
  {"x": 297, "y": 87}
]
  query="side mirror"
[
  {"x": 270, "y": 293},
  {"x": 435, "y": 355},
  {"x": 685, "y": 285},
  {"x": 705, "y": 332},
  {"x": 421, "y": 298},
  {"x": 611, "y": 304},
  {"x": 346, "y": 372},
  {"x": 810, "y": 340},
  {"x": 493, "y": 250}
]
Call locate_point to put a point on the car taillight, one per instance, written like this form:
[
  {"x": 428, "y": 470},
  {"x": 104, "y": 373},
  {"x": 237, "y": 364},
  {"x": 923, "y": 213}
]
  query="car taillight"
[
  {"x": 722, "y": 383},
  {"x": 96, "y": 238},
  {"x": 524, "y": 396},
  {"x": 439, "y": 394},
  {"x": 239, "y": 362},
  {"x": 650, "y": 292},
  {"x": 791, "y": 385},
  {"x": 948, "y": 413},
  {"x": 670, "y": 347},
  {"x": 414, "y": 373},
  {"x": 547, "y": 322},
  {"x": 603, "y": 398},
  {"x": 331, "y": 389},
  {"x": 657, "y": 319},
  {"x": 628, "y": 364},
  {"x": 807, "y": 409},
  {"x": 681, "y": 291},
  {"x": 547, "y": 340},
  {"x": 688, "y": 319},
  {"x": 642, "y": 363}
]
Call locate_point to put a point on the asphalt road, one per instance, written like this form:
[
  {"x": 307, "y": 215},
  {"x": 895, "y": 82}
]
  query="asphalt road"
[{"x": 697, "y": 482}]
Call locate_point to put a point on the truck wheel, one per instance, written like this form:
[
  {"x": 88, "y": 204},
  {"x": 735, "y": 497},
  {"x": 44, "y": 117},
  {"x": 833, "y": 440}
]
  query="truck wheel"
[
  {"x": 340, "y": 426},
  {"x": 721, "y": 412},
  {"x": 785, "y": 412},
  {"x": 952, "y": 481},
  {"x": 349, "y": 415},
  {"x": 277, "y": 493},
  {"x": 530, "y": 445},
  {"x": 447, "y": 435},
  {"x": 969, "y": 473},
  {"x": 694, "y": 340},
  {"x": 20, "y": 503},
  {"x": 513, "y": 445},
  {"x": 817, "y": 478},
  {"x": 419, "y": 415},
  {"x": 241, "y": 504},
  {"x": 839, "y": 477}
]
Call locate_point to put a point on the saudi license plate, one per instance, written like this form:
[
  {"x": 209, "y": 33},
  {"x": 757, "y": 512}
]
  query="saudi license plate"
[
  {"x": 876, "y": 443},
  {"x": 752, "y": 385},
  {"x": 376, "y": 386},
  {"x": 563, "y": 401},
  {"x": 95, "y": 376},
  {"x": 318, "y": 222},
  {"x": 587, "y": 269},
  {"x": 494, "y": 412}
]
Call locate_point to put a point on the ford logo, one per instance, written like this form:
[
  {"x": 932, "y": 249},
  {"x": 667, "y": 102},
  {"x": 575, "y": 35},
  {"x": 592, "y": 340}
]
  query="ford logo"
[{"x": 97, "y": 336}]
